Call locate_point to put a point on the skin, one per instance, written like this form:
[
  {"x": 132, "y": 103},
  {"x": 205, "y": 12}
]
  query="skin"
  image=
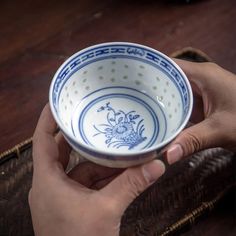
[
  {"x": 214, "y": 111},
  {"x": 90, "y": 199}
]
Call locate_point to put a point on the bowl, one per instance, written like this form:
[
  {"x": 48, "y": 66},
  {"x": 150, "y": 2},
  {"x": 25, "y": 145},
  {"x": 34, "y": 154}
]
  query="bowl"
[{"x": 118, "y": 104}]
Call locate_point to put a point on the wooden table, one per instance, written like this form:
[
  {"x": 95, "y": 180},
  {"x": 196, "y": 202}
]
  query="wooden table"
[{"x": 37, "y": 36}]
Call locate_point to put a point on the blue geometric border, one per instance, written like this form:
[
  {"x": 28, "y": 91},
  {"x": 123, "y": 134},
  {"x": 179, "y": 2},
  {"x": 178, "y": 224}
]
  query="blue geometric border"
[{"x": 121, "y": 51}]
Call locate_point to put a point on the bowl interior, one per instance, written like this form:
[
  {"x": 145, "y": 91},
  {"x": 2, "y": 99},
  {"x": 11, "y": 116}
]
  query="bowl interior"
[{"x": 119, "y": 102}]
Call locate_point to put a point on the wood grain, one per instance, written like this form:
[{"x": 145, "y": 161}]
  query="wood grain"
[
  {"x": 37, "y": 36},
  {"x": 26, "y": 24}
]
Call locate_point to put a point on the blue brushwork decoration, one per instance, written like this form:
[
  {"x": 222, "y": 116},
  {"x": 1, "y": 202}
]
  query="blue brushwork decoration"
[{"x": 121, "y": 129}]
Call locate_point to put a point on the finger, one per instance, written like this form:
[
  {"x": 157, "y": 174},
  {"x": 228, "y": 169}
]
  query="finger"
[
  {"x": 127, "y": 186},
  {"x": 193, "y": 72},
  {"x": 46, "y": 123},
  {"x": 64, "y": 150},
  {"x": 191, "y": 69},
  {"x": 198, "y": 137},
  {"x": 45, "y": 151},
  {"x": 88, "y": 173},
  {"x": 200, "y": 75}
]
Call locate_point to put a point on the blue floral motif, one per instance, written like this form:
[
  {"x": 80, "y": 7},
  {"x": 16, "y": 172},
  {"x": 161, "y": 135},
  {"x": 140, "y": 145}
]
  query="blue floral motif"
[
  {"x": 121, "y": 129},
  {"x": 136, "y": 51}
]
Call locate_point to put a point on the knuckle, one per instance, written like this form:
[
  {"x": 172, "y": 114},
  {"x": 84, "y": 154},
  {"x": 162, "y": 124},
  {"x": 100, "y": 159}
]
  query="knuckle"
[
  {"x": 193, "y": 144},
  {"x": 210, "y": 64},
  {"x": 209, "y": 68},
  {"x": 136, "y": 183},
  {"x": 109, "y": 205}
]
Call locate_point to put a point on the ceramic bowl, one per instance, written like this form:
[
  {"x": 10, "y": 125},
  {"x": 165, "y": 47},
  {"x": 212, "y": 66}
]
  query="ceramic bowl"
[{"x": 118, "y": 103}]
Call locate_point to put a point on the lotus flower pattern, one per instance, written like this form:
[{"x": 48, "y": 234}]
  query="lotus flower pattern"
[{"x": 121, "y": 129}]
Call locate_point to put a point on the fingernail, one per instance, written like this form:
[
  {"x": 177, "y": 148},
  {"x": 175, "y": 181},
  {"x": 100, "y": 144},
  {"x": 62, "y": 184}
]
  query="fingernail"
[
  {"x": 174, "y": 154},
  {"x": 153, "y": 170}
]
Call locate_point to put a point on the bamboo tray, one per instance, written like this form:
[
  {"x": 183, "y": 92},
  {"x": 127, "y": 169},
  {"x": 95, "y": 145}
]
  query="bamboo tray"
[{"x": 189, "y": 189}]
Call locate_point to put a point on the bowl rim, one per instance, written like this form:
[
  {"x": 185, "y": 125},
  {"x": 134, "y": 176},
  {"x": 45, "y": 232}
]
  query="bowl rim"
[{"x": 130, "y": 152}]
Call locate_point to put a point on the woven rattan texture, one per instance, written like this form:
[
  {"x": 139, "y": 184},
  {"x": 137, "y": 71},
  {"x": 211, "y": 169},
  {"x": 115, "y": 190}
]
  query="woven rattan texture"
[
  {"x": 184, "y": 188},
  {"x": 15, "y": 182},
  {"x": 187, "y": 190}
]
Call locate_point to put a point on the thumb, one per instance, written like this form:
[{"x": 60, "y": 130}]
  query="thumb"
[
  {"x": 196, "y": 138},
  {"x": 30, "y": 197},
  {"x": 125, "y": 188}
]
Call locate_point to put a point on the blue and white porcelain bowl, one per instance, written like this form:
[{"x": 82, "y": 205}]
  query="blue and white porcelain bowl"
[{"x": 119, "y": 103}]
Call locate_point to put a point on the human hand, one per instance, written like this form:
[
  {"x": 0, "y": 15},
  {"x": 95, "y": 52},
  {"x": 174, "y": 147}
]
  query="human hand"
[
  {"x": 86, "y": 201},
  {"x": 214, "y": 112}
]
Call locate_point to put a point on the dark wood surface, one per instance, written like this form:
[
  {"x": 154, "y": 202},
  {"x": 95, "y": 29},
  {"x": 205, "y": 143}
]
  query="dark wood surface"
[{"x": 36, "y": 36}]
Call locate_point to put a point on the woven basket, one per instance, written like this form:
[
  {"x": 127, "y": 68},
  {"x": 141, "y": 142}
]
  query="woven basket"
[{"x": 187, "y": 191}]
